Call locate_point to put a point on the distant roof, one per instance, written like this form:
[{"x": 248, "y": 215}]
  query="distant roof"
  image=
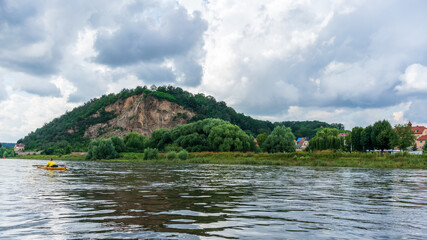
[
  {"x": 418, "y": 129},
  {"x": 342, "y": 134},
  {"x": 422, "y": 138},
  {"x": 20, "y": 145}
]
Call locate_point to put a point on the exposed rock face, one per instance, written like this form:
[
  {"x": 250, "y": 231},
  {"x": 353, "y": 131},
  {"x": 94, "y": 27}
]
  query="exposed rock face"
[{"x": 139, "y": 114}]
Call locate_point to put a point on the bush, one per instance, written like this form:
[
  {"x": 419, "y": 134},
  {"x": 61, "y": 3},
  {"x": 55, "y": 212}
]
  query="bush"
[
  {"x": 183, "y": 155},
  {"x": 151, "y": 153},
  {"x": 101, "y": 149},
  {"x": 171, "y": 155}
]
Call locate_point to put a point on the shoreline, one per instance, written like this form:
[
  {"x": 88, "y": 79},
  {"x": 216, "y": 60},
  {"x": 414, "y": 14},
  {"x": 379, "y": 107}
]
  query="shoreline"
[{"x": 359, "y": 160}]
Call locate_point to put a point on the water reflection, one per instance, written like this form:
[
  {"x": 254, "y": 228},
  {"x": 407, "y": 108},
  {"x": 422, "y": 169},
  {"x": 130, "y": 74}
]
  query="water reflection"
[{"x": 136, "y": 200}]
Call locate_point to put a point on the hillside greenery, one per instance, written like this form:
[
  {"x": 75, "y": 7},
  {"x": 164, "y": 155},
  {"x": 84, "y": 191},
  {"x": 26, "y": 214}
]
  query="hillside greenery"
[{"x": 66, "y": 133}]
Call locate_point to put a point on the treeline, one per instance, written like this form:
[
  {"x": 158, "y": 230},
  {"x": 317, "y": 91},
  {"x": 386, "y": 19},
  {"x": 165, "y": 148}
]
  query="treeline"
[
  {"x": 204, "y": 135},
  {"x": 379, "y": 136},
  {"x": 7, "y": 152},
  {"x": 66, "y": 133}
]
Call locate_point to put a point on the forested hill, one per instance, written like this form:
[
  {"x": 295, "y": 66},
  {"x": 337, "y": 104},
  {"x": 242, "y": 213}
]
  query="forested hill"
[{"x": 68, "y": 131}]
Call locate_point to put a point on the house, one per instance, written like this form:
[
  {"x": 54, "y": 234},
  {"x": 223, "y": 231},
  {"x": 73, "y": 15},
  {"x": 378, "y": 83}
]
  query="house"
[
  {"x": 19, "y": 147},
  {"x": 420, "y": 141},
  {"x": 420, "y": 133},
  {"x": 301, "y": 144},
  {"x": 418, "y": 130},
  {"x": 342, "y": 135}
]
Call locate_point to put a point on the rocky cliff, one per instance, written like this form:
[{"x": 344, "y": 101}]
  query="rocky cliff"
[{"x": 141, "y": 114}]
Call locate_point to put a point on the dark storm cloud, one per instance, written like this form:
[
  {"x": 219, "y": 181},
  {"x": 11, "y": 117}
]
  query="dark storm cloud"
[
  {"x": 173, "y": 33},
  {"x": 161, "y": 34}
]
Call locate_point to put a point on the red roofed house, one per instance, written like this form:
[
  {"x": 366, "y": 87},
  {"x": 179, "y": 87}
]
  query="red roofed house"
[
  {"x": 19, "y": 147},
  {"x": 342, "y": 135},
  {"x": 420, "y": 133}
]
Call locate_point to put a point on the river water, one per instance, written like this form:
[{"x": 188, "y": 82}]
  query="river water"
[{"x": 114, "y": 200}]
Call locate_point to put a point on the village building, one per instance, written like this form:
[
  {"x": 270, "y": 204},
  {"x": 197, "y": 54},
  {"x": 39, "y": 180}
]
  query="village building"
[
  {"x": 301, "y": 144},
  {"x": 19, "y": 147},
  {"x": 420, "y": 132}
]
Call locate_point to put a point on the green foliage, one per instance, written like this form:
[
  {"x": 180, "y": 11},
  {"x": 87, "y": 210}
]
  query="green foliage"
[
  {"x": 356, "y": 139},
  {"x": 229, "y": 138},
  {"x": 194, "y": 136},
  {"x": 101, "y": 149},
  {"x": 325, "y": 139},
  {"x": 261, "y": 139},
  {"x": 366, "y": 139},
  {"x": 183, "y": 155},
  {"x": 135, "y": 142},
  {"x": 171, "y": 155},
  {"x": 151, "y": 153},
  {"x": 404, "y": 137},
  {"x": 119, "y": 144},
  {"x": 280, "y": 140},
  {"x": 5, "y": 152},
  {"x": 159, "y": 139},
  {"x": 425, "y": 146},
  {"x": 383, "y": 135}
]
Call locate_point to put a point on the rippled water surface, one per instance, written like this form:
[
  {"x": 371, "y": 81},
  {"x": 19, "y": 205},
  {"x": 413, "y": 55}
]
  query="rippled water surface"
[{"x": 96, "y": 200}]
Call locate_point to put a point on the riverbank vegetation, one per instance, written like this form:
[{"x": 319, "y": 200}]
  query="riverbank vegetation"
[{"x": 318, "y": 159}]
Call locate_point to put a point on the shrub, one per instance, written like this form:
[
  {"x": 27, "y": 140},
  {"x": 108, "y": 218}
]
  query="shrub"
[
  {"x": 151, "y": 153},
  {"x": 183, "y": 155},
  {"x": 171, "y": 155},
  {"x": 101, "y": 149}
]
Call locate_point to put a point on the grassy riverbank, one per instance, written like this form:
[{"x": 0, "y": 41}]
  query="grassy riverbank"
[{"x": 323, "y": 159}]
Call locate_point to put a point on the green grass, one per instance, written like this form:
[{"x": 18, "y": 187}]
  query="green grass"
[{"x": 361, "y": 160}]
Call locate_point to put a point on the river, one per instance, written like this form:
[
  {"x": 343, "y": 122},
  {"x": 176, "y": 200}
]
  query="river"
[{"x": 116, "y": 200}]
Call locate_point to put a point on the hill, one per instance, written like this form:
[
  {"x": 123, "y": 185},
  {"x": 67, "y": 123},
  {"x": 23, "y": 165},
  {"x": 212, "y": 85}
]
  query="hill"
[
  {"x": 144, "y": 110},
  {"x": 7, "y": 145}
]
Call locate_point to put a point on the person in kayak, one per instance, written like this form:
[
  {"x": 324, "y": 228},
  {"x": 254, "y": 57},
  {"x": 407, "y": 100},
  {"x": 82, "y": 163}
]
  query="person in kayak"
[{"x": 51, "y": 163}]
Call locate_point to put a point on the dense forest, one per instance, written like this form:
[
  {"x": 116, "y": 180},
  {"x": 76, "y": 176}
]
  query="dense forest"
[{"x": 66, "y": 133}]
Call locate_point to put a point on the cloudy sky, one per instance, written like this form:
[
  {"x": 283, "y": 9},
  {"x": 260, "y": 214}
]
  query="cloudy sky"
[{"x": 353, "y": 62}]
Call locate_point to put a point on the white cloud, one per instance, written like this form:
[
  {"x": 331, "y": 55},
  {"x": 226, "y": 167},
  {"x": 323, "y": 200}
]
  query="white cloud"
[{"x": 414, "y": 80}]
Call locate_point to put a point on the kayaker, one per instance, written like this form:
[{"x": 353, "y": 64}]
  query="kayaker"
[{"x": 51, "y": 163}]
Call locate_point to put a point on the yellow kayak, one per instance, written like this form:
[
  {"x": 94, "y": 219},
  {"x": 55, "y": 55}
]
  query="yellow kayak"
[{"x": 51, "y": 168}]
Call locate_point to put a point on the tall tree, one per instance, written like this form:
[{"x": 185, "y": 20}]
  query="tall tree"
[
  {"x": 356, "y": 139},
  {"x": 135, "y": 142},
  {"x": 383, "y": 135},
  {"x": 260, "y": 139},
  {"x": 229, "y": 138},
  {"x": 404, "y": 136},
  {"x": 366, "y": 139},
  {"x": 326, "y": 138},
  {"x": 281, "y": 139}
]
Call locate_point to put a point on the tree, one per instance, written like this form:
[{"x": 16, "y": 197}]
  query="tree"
[
  {"x": 382, "y": 135},
  {"x": 366, "y": 139},
  {"x": 101, "y": 149},
  {"x": 260, "y": 139},
  {"x": 327, "y": 138},
  {"x": 356, "y": 139},
  {"x": 281, "y": 139},
  {"x": 404, "y": 137},
  {"x": 229, "y": 138},
  {"x": 135, "y": 142},
  {"x": 1, "y": 145},
  {"x": 425, "y": 146},
  {"x": 119, "y": 144},
  {"x": 159, "y": 139}
]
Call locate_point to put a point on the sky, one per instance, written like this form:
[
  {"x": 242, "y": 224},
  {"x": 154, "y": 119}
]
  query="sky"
[{"x": 338, "y": 61}]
